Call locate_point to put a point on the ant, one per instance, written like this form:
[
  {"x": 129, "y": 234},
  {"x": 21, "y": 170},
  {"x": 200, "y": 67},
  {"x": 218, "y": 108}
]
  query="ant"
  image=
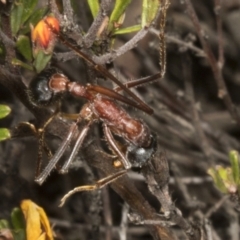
[{"x": 101, "y": 106}]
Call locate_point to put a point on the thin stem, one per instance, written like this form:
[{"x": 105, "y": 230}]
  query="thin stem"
[
  {"x": 217, "y": 10},
  {"x": 222, "y": 89}
]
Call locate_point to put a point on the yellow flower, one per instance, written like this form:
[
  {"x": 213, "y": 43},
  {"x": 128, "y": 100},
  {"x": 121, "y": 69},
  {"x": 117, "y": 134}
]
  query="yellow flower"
[
  {"x": 37, "y": 224},
  {"x": 44, "y": 34}
]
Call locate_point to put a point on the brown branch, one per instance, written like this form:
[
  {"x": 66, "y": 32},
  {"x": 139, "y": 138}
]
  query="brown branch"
[
  {"x": 217, "y": 10},
  {"x": 204, "y": 144},
  {"x": 125, "y": 188},
  {"x": 90, "y": 37},
  {"x": 222, "y": 89},
  {"x": 157, "y": 177}
]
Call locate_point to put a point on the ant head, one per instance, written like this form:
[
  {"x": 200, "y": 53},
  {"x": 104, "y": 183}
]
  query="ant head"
[{"x": 40, "y": 92}]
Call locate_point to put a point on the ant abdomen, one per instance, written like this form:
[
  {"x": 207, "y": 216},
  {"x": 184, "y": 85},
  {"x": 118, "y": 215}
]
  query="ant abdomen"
[
  {"x": 139, "y": 156},
  {"x": 39, "y": 91}
]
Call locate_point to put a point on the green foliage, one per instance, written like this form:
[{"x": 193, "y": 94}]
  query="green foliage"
[
  {"x": 4, "y": 111},
  {"x": 227, "y": 180},
  {"x": 29, "y": 6},
  {"x": 4, "y": 224},
  {"x": 24, "y": 15},
  {"x": 16, "y": 226},
  {"x": 234, "y": 159},
  {"x": 18, "y": 62},
  {"x": 41, "y": 60},
  {"x": 131, "y": 29},
  {"x": 33, "y": 20},
  {"x": 4, "y": 132},
  {"x": 94, "y": 7},
  {"x": 149, "y": 11},
  {"x": 17, "y": 219},
  {"x": 23, "y": 45},
  {"x": 20, "y": 13},
  {"x": 16, "y": 16},
  {"x": 118, "y": 11}
]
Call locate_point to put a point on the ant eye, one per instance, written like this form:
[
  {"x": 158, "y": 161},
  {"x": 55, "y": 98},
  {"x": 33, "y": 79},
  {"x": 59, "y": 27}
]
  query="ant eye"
[{"x": 40, "y": 92}]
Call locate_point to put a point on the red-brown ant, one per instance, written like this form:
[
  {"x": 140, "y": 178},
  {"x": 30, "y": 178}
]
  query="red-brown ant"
[{"x": 100, "y": 107}]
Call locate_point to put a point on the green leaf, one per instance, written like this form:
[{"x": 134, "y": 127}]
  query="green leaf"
[
  {"x": 18, "y": 62},
  {"x": 234, "y": 159},
  {"x": 4, "y": 111},
  {"x": 17, "y": 218},
  {"x": 34, "y": 19},
  {"x": 19, "y": 234},
  {"x": 94, "y": 7},
  {"x": 119, "y": 9},
  {"x": 217, "y": 180},
  {"x": 41, "y": 61},
  {"x": 16, "y": 16},
  {"x": 4, "y": 134},
  {"x": 131, "y": 29},
  {"x": 222, "y": 172},
  {"x": 29, "y": 6},
  {"x": 149, "y": 11},
  {"x": 4, "y": 224},
  {"x": 24, "y": 47}
]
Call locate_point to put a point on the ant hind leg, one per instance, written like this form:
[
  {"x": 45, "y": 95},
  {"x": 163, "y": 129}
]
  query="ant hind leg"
[
  {"x": 98, "y": 185},
  {"x": 114, "y": 147}
]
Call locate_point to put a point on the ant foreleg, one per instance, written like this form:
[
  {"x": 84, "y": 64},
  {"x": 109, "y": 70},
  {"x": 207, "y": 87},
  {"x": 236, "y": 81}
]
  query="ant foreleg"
[
  {"x": 98, "y": 185},
  {"x": 114, "y": 146},
  {"x": 42, "y": 144},
  {"x": 31, "y": 130},
  {"x": 78, "y": 143}
]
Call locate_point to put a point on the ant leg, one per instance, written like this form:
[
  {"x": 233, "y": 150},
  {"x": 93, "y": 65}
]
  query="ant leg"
[
  {"x": 141, "y": 81},
  {"x": 40, "y": 155},
  {"x": 98, "y": 185},
  {"x": 42, "y": 144},
  {"x": 70, "y": 116},
  {"x": 78, "y": 143},
  {"x": 115, "y": 147},
  {"x": 162, "y": 54},
  {"x": 56, "y": 157},
  {"x": 29, "y": 129}
]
